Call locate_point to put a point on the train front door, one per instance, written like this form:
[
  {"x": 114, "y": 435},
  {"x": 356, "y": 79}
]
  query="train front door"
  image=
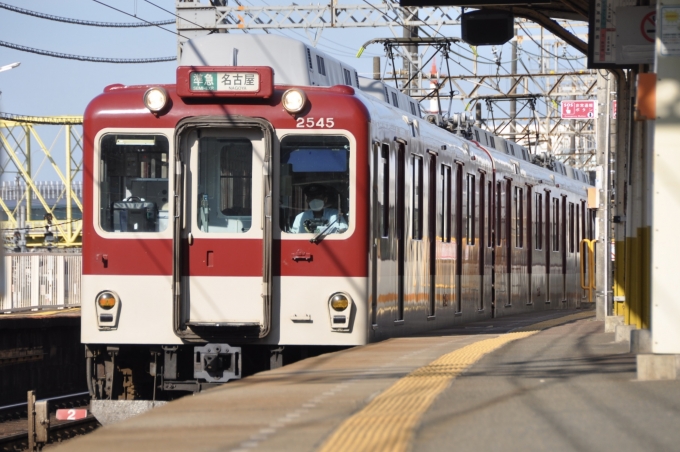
[{"x": 224, "y": 229}]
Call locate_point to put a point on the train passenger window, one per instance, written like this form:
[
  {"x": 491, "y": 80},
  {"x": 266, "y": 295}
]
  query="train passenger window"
[
  {"x": 446, "y": 204},
  {"x": 499, "y": 213},
  {"x": 489, "y": 219},
  {"x": 133, "y": 187},
  {"x": 556, "y": 225},
  {"x": 225, "y": 175},
  {"x": 417, "y": 177},
  {"x": 385, "y": 198},
  {"x": 471, "y": 204},
  {"x": 519, "y": 217},
  {"x": 539, "y": 221},
  {"x": 571, "y": 227},
  {"x": 314, "y": 184}
]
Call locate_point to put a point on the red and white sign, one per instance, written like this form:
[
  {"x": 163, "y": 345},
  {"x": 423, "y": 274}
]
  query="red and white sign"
[
  {"x": 71, "y": 414},
  {"x": 614, "y": 109},
  {"x": 577, "y": 109},
  {"x": 648, "y": 26}
]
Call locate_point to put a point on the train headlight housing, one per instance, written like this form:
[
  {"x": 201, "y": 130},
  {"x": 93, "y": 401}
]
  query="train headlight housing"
[
  {"x": 156, "y": 99},
  {"x": 340, "y": 311},
  {"x": 107, "y": 307},
  {"x": 294, "y": 100}
]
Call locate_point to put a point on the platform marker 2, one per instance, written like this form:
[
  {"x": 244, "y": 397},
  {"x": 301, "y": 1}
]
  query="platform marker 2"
[{"x": 71, "y": 414}]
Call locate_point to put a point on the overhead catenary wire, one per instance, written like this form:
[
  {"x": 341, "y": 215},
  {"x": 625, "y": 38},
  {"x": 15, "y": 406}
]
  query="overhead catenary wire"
[
  {"x": 86, "y": 58},
  {"x": 84, "y": 22},
  {"x": 136, "y": 17}
]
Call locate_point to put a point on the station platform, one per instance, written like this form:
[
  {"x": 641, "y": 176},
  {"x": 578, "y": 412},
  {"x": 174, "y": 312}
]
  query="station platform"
[{"x": 544, "y": 381}]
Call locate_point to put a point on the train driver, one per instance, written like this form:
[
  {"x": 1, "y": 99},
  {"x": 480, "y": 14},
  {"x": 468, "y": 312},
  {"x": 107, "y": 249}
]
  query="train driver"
[{"x": 320, "y": 217}]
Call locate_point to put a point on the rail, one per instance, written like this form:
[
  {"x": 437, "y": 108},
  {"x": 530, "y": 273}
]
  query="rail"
[
  {"x": 40, "y": 281},
  {"x": 588, "y": 268}
]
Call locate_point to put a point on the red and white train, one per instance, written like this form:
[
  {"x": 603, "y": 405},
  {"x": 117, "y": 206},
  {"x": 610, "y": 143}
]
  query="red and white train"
[{"x": 272, "y": 198}]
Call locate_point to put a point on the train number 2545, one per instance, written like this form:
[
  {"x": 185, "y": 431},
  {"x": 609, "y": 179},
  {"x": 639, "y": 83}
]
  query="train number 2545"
[{"x": 327, "y": 123}]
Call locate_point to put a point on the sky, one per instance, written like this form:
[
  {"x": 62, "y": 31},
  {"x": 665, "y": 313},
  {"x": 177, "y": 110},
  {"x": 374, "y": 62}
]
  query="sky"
[{"x": 49, "y": 86}]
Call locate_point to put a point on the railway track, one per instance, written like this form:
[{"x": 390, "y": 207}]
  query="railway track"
[{"x": 14, "y": 422}]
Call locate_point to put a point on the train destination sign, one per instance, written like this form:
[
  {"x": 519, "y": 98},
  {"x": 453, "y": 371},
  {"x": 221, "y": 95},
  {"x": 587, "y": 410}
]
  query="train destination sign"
[
  {"x": 577, "y": 109},
  {"x": 225, "y": 81}
]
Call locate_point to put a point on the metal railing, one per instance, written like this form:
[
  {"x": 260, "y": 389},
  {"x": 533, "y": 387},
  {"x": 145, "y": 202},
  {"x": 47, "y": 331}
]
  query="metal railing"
[{"x": 40, "y": 281}]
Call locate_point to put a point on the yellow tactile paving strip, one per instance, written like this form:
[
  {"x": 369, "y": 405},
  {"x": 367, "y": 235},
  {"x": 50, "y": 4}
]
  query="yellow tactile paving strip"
[{"x": 389, "y": 420}]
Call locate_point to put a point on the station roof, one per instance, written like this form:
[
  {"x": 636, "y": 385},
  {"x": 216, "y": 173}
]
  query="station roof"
[{"x": 542, "y": 12}]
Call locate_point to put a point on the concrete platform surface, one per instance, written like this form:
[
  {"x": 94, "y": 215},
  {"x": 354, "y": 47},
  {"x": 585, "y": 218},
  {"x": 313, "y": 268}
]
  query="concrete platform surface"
[{"x": 506, "y": 384}]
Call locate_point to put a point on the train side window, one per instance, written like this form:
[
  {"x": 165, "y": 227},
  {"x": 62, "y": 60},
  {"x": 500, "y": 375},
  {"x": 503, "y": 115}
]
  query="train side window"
[
  {"x": 395, "y": 100},
  {"x": 571, "y": 227},
  {"x": 539, "y": 221},
  {"x": 446, "y": 204},
  {"x": 314, "y": 184},
  {"x": 578, "y": 228},
  {"x": 385, "y": 204},
  {"x": 417, "y": 178},
  {"x": 556, "y": 224},
  {"x": 133, "y": 188},
  {"x": 471, "y": 204},
  {"x": 489, "y": 219},
  {"x": 519, "y": 217},
  {"x": 500, "y": 198}
]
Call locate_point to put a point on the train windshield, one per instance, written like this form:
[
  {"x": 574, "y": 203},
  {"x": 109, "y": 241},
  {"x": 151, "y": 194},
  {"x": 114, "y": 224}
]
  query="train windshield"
[
  {"x": 314, "y": 184},
  {"x": 133, "y": 184}
]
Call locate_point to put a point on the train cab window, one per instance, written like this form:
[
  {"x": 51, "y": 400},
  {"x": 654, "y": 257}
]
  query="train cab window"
[
  {"x": 471, "y": 204},
  {"x": 417, "y": 221},
  {"x": 225, "y": 175},
  {"x": 133, "y": 183},
  {"x": 539, "y": 221},
  {"x": 314, "y": 184},
  {"x": 519, "y": 217}
]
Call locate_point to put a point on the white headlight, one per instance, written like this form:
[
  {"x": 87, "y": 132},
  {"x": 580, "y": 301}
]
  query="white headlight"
[
  {"x": 155, "y": 99},
  {"x": 294, "y": 100}
]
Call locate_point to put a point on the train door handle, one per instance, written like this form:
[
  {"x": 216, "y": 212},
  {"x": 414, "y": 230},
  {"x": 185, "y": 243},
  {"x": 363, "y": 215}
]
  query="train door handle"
[{"x": 190, "y": 239}]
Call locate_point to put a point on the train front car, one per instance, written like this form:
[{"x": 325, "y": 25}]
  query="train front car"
[{"x": 224, "y": 218}]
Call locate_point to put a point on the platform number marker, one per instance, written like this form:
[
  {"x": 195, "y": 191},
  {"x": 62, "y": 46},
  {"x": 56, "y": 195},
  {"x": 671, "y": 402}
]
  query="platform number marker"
[{"x": 71, "y": 414}]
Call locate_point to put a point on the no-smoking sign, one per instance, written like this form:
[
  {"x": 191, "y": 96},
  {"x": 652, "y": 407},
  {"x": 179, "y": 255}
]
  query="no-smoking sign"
[{"x": 648, "y": 26}]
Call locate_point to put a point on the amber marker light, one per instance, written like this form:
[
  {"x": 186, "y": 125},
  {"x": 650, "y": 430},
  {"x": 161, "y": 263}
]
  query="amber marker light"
[
  {"x": 339, "y": 302},
  {"x": 293, "y": 100},
  {"x": 155, "y": 99},
  {"x": 106, "y": 300}
]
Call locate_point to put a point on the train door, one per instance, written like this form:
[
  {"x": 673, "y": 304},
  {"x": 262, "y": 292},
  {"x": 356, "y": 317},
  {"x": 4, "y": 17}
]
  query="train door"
[
  {"x": 482, "y": 237},
  {"x": 382, "y": 260},
  {"x": 564, "y": 249},
  {"x": 400, "y": 227},
  {"x": 432, "y": 231},
  {"x": 582, "y": 235},
  {"x": 488, "y": 248},
  {"x": 548, "y": 245},
  {"x": 529, "y": 245},
  {"x": 500, "y": 255},
  {"x": 459, "y": 236},
  {"x": 224, "y": 228}
]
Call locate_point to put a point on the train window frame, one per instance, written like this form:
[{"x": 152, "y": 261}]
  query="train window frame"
[
  {"x": 446, "y": 213},
  {"x": 395, "y": 99},
  {"x": 470, "y": 208},
  {"x": 538, "y": 212},
  {"x": 168, "y": 134},
  {"x": 348, "y": 76},
  {"x": 500, "y": 200},
  {"x": 321, "y": 66},
  {"x": 489, "y": 220},
  {"x": 555, "y": 224},
  {"x": 518, "y": 193},
  {"x": 385, "y": 189},
  {"x": 571, "y": 227},
  {"x": 417, "y": 190},
  {"x": 279, "y": 233}
]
